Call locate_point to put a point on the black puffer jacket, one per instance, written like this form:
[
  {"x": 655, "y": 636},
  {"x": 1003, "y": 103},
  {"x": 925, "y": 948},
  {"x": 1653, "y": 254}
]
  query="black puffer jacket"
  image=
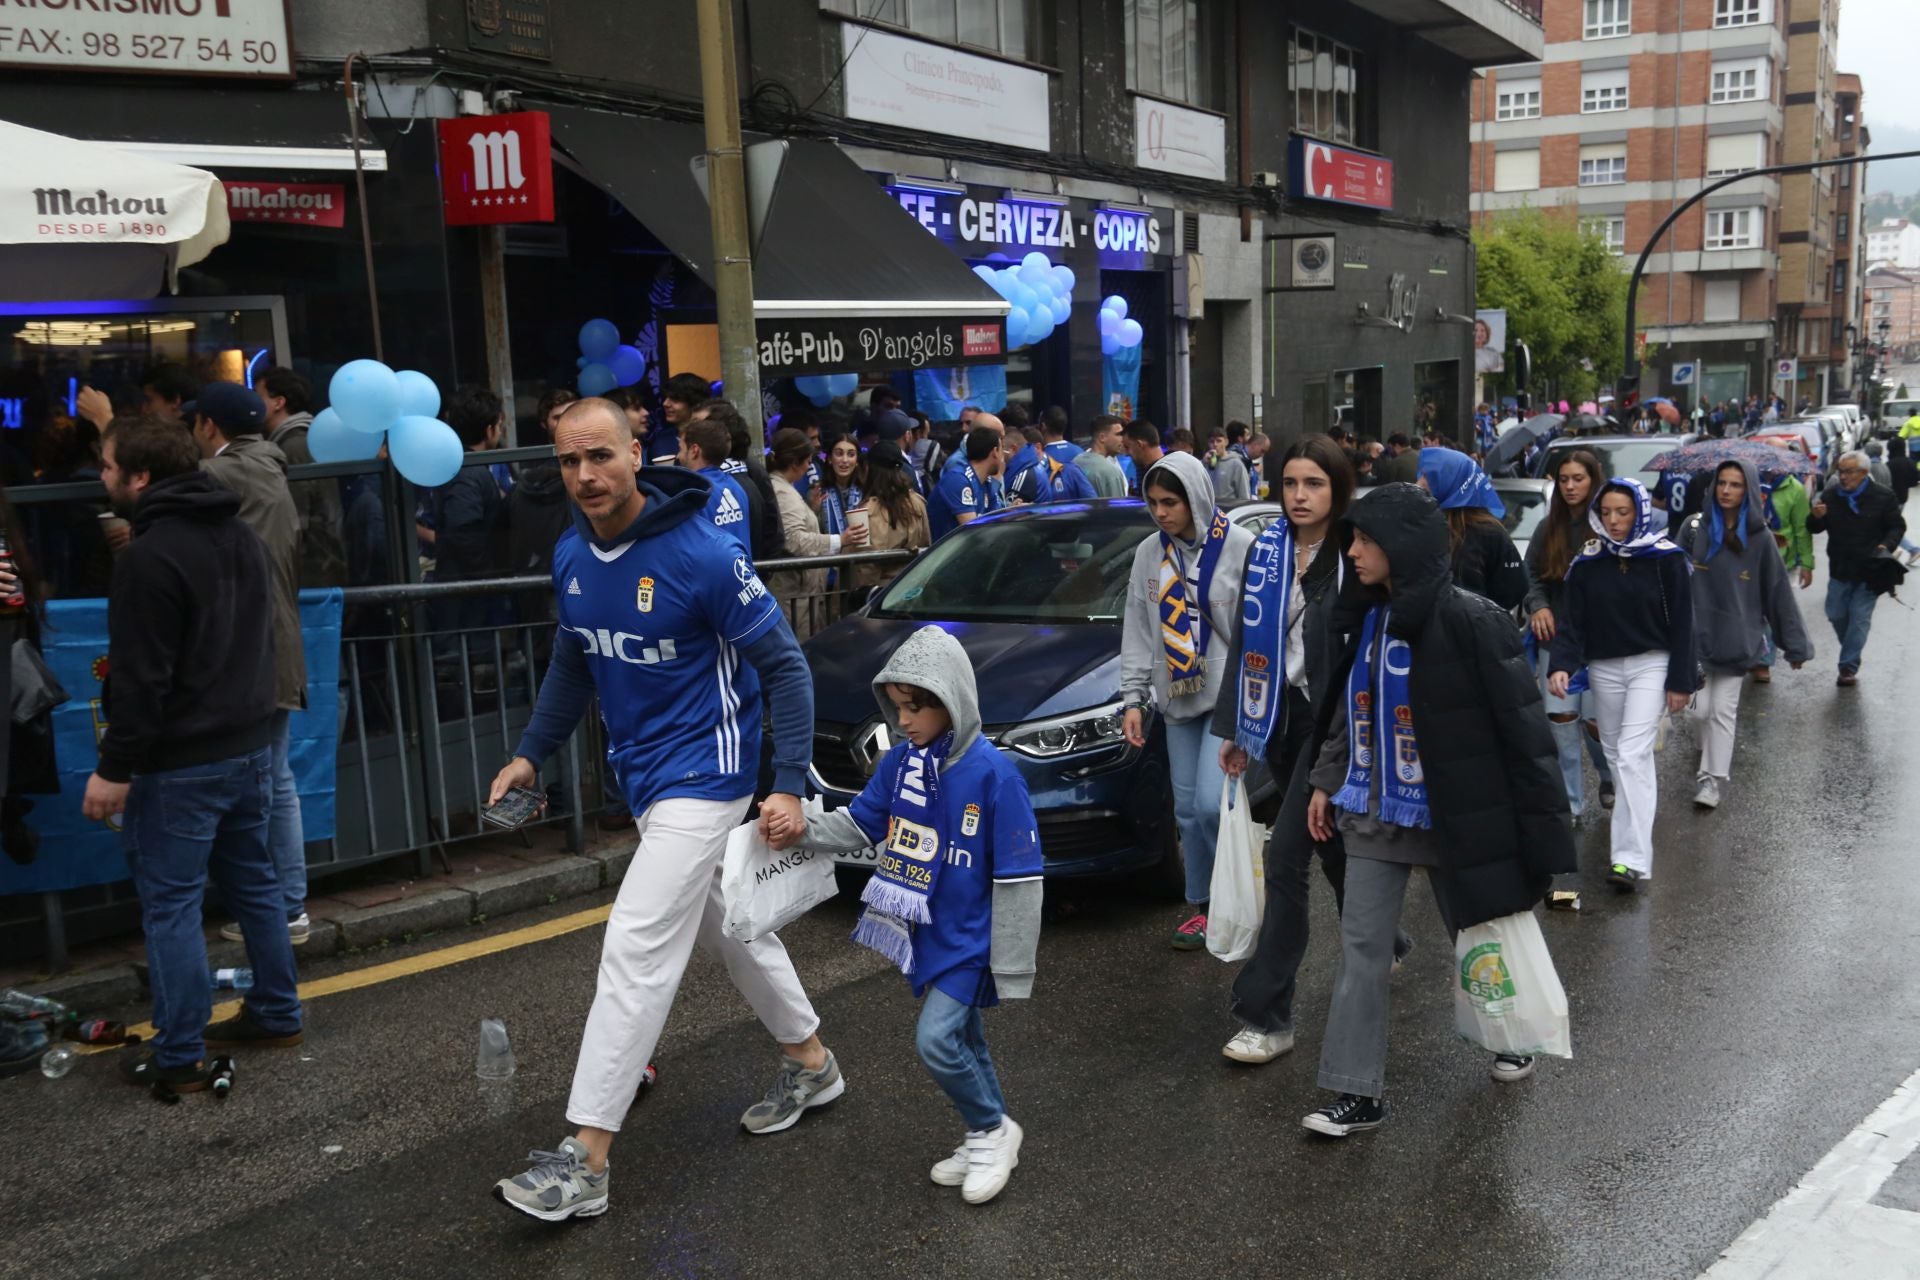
[
  {"x": 1855, "y": 538},
  {"x": 1492, "y": 773},
  {"x": 1488, "y": 564}
]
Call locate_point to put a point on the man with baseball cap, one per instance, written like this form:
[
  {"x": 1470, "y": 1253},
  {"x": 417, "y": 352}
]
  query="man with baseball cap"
[
  {"x": 227, "y": 420},
  {"x": 901, "y": 428}
]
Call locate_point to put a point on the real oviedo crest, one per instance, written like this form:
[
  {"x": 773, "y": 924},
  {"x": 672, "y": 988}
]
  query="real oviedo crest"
[{"x": 643, "y": 597}]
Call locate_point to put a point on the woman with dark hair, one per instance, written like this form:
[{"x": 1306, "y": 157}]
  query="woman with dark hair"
[
  {"x": 1279, "y": 670},
  {"x": 844, "y": 485},
  {"x": 1485, "y": 561},
  {"x": 1577, "y": 477},
  {"x": 896, "y": 513},
  {"x": 802, "y": 590},
  {"x": 1181, "y": 599}
]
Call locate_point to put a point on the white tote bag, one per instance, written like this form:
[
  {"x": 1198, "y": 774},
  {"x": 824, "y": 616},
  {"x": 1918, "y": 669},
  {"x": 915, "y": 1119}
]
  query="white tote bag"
[
  {"x": 1507, "y": 997},
  {"x": 1239, "y": 891},
  {"x": 767, "y": 889}
]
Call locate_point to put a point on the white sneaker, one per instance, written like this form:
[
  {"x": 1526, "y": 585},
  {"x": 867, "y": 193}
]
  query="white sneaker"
[
  {"x": 951, "y": 1172},
  {"x": 299, "y": 929},
  {"x": 991, "y": 1160},
  {"x": 1708, "y": 796},
  {"x": 1257, "y": 1046},
  {"x": 1509, "y": 1067}
]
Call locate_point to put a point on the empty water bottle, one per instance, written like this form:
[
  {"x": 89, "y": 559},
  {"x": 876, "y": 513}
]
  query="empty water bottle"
[
  {"x": 496, "y": 1054},
  {"x": 18, "y": 1004},
  {"x": 232, "y": 979},
  {"x": 57, "y": 1061}
]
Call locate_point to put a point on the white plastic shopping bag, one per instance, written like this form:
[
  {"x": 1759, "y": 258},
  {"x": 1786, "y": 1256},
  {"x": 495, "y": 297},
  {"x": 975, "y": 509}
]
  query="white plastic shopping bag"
[
  {"x": 1239, "y": 892},
  {"x": 1507, "y": 997},
  {"x": 766, "y": 888}
]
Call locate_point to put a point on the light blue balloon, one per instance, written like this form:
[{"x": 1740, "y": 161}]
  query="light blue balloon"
[
  {"x": 1109, "y": 323},
  {"x": 843, "y": 384},
  {"x": 1028, "y": 300},
  {"x": 1017, "y": 322},
  {"x": 596, "y": 380},
  {"x": 1109, "y": 344},
  {"x": 811, "y": 385},
  {"x": 332, "y": 440},
  {"x": 1065, "y": 279},
  {"x": 1131, "y": 333},
  {"x": 418, "y": 396},
  {"x": 598, "y": 338},
  {"x": 985, "y": 272},
  {"x": 1035, "y": 277},
  {"x": 1037, "y": 261},
  {"x": 628, "y": 366},
  {"x": 1039, "y": 333},
  {"x": 366, "y": 394},
  {"x": 1116, "y": 304},
  {"x": 1060, "y": 309},
  {"x": 426, "y": 450}
]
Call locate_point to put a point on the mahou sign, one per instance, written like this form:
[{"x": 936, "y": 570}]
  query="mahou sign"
[
  {"x": 496, "y": 169},
  {"x": 305, "y": 204}
]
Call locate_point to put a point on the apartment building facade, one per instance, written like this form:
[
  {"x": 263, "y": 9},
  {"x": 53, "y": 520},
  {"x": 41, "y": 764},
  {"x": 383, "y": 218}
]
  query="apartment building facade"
[
  {"x": 1896, "y": 243},
  {"x": 1893, "y": 300},
  {"x": 1845, "y": 326},
  {"x": 1636, "y": 105}
]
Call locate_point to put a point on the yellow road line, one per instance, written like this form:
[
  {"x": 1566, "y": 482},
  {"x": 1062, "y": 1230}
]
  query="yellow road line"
[{"x": 407, "y": 966}]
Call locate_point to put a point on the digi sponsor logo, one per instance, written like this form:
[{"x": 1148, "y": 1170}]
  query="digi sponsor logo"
[{"x": 624, "y": 646}]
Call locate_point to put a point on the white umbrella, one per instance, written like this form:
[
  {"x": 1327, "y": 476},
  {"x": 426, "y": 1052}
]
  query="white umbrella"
[{"x": 85, "y": 221}]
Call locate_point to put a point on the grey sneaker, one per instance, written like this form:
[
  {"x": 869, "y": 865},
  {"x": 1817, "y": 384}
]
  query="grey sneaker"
[
  {"x": 558, "y": 1185},
  {"x": 794, "y": 1090},
  {"x": 1708, "y": 796},
  {"x": 299, "y": 930}
]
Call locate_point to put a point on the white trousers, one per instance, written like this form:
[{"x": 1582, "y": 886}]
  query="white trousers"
[
  {"x": 1630, "y": 694},
  {"x": 669, "y": 900},
  {"x": 1715, "y": 708}
]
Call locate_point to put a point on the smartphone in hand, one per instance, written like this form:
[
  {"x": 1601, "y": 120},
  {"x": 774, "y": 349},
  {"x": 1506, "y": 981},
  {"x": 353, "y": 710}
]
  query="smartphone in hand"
[{"x": 518, "y": 807}]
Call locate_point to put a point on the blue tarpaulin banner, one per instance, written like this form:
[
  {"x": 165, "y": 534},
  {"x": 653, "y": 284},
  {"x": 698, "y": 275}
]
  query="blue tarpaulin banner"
[
  {"x": 75, "y": 852},
  {"x": 1120, "y": 382},
  {"x": 943, "y": 393}
]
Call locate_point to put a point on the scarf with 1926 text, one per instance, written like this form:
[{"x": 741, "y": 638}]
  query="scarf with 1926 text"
[{"x": 900, "y": 893}]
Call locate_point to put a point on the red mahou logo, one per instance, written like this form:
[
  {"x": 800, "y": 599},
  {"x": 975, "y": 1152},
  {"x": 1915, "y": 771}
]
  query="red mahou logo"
[{"x": 981, "y": 339}]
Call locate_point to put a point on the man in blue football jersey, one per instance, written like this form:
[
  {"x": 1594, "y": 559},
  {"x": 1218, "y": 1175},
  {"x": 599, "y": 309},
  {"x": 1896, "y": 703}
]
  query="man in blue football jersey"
[
  {"x": 964, "y": 492},
  {"x": 657, "y": 608},
  {"x": 704, "y": 446}
]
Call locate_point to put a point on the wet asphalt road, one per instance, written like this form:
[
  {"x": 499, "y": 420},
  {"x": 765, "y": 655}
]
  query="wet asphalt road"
[{"x": 1731, "y": 1025}]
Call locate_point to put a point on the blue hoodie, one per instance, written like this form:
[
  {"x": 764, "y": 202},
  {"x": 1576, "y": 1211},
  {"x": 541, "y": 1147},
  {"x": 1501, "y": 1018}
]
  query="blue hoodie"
[{"x": 648, "y": 620}]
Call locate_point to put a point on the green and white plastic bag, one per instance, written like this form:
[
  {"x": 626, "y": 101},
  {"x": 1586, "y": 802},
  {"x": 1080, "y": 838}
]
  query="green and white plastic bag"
[{"x": 1507, "y": 997}]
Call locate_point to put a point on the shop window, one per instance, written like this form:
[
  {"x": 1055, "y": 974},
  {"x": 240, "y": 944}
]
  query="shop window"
[
  {"x": 1517, "y": 170},
  {"x": 1517, "y": 100},
  {"x": 1735, "y": 228},
  {"x": 1738, "y": 80},
  {"x": 1163, "y": 49},
  {"x": 1603, "y": 166},
  {"x": 1326, "y": 79},
  {"x": 1611, "y": 232},
  {"x": 1607, "y": 18},
  {"x": 998, "y": 26},
  {"x": 1603, "y": 91},
  {"x": 1740, "y": 13}
]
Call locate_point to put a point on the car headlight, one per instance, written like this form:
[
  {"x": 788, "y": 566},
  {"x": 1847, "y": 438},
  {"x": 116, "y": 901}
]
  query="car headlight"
[{"x": 1064, "y": 735}]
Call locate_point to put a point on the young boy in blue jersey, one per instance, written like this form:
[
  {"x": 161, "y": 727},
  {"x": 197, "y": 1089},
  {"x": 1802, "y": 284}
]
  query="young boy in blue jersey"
[
  {"x": 956, "y": 899},
  {"x": 663, "y": 615}
]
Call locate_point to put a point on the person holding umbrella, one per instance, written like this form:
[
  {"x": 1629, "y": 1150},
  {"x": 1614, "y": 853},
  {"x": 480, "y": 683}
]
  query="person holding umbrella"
[{"x": 1740, "y": 593}]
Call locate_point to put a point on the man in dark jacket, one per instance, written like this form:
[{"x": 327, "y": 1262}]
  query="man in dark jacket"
[
  {"x": 227, "y": 420},
  {"x": 1863, "y": 525},
  {"x": 289, "y": 402},
  {"x": 187, "y": 756},
  {"x": 746, "y": 464},
  {"x": 1434, "y": 753}
]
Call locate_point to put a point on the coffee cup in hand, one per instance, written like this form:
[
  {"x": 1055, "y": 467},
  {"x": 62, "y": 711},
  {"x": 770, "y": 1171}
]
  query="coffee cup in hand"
[{"x": 858, "y": 520}]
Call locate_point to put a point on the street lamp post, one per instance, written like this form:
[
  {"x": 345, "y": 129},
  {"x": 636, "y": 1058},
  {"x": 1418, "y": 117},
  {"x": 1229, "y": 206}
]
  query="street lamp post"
[{"x": 1630, "y": 368}]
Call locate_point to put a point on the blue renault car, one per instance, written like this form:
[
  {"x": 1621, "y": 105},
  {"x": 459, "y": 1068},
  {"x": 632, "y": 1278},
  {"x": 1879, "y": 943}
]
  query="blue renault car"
[{"x": 1036, "y": 597}]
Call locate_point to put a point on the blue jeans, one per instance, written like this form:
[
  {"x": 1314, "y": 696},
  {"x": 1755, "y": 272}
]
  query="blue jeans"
[
  {"x": 286, "y": 839},
  {"x": 180, "y": 826},
  {"x": 953, "y": 1044},
  {"x": 1193, "y": 756},
  {"x": 1570, "y": 738},
  {"x": 1850, "y": 610}
]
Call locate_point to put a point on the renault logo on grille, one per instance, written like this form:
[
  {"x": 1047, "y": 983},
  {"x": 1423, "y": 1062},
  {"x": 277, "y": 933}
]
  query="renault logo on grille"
[{"x": 870, "y": 743}]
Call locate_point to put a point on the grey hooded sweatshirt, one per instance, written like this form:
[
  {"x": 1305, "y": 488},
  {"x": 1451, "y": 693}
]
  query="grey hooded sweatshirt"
[
  {"x": 931, "y": 659},
  {"x": 1144, "y": 678},
  {"x": 1738, "y": 594}
]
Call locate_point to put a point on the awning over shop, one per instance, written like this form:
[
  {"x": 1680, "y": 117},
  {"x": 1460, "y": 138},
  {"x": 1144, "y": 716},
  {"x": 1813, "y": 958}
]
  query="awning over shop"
[
  {"x": 82, "y": 221},
  {"x": 843, "y": 278}
]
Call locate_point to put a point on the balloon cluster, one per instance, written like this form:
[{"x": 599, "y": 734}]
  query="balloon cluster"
[
  {"x": 371, "y": 404},
  {"x": 824, "y": 388},
  {"x": 1117, "y": 333},
  {"x": 1040, "y": 294},
  {"x": 604, "y": 363}
]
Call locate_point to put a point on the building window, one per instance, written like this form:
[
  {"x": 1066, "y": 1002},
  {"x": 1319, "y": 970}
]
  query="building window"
[
  {"x": 1841, "y": 226},
  {"x": 1612, "y": 232},
  {"x": 1721, "y": 299},
  {"x": 1518, "y": 100},
  {"x": 1163, "y": 49},
  {"x": 998, "y": 26},
  {"x": 1738, "y": 13},
  {"x": 1324, "y": 77},
  {"x": 1603, "y": 91},
  {"x": 1846, "y": 176},
  {"x": 1734, "y": 228},
  {"x": 1742, "y": 80},
  {"x": 1603, "y": 166},
  {"x": 1731, "y": 153},
  {"x": 1839, "y": 332},
  {"x": 1516, "y": 170},
  {"x": 1606, "y": 18}
]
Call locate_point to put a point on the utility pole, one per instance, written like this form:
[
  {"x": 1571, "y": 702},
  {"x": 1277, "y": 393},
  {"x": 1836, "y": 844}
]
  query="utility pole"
[{"x": 727, "y": 202}]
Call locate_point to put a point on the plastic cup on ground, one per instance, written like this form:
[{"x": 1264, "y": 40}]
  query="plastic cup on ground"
[{"x": 495, "y": 1060}]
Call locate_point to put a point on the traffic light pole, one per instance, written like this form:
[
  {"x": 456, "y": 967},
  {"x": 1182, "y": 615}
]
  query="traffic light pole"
[{"x": 1630, "y": 368}]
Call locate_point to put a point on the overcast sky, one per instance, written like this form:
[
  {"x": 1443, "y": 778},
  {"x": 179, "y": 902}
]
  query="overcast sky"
[{"x": 1880, "y": 42}]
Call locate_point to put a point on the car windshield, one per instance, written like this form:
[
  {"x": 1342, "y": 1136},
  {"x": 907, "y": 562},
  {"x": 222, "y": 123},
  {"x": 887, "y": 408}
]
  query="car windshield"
[
  {"x": 1526, "y": 508},
  {"x": 1632, "y": 458},
  {"x": 1069, "y": 563}
]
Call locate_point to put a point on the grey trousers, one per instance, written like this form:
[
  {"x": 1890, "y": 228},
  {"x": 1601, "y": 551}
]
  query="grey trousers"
[{"x": 1353, "y": 1057}]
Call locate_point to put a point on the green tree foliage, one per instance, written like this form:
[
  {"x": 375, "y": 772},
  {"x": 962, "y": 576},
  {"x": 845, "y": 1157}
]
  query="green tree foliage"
[{"x": 1565, "y": 295}]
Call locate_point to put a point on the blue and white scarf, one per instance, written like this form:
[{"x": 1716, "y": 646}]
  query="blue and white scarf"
[
  {"x": 835, "y": 508},
  {"x": 1377, "y": 695},
  {"x": 1263, "y": 628},
  {"x": 1852, "y": 495},
  {"x": 1643, "y": 540},
  {"x": 1183, "y": 623},
  {"x": 900, "y": 893}
]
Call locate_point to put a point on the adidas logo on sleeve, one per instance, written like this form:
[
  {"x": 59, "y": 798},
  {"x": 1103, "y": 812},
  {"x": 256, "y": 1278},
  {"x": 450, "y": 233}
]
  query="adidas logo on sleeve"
[{"x": 573, "y": 587}]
